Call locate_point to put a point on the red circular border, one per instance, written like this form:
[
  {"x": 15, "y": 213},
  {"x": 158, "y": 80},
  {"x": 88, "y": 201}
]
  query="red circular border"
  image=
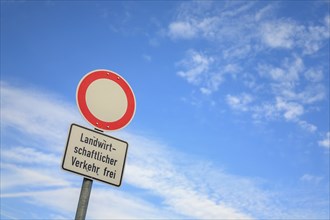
[{"x": 86, "y": 81}]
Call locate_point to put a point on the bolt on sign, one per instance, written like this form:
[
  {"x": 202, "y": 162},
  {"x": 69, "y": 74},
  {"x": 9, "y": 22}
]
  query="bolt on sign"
[{"x": 95, "y": 155}]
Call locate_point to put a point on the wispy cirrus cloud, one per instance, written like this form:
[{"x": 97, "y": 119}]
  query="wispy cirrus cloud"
[
  {"x": 240, "y": 102},
  {"x": 199, "y": 71},
  {"x": 203, "y": 20},
  {"x": 197, "y": 65},
  {"x": 325, "y": 142},
  {"x": 261, "y": 31},
  {"x": 15, "y": 176},
  {"x": 314, "y": 75},
  {"x": 38, "y": 169},
  {"x": 182, "y": 30},
  {"x": 258, "y": 51},
  {"x": 272, "y": 110},
  {"x": 286, "y": 33},
  {"x": 311, "y": 178},
  {"x": 164, "y": 175},
  {"x": 278, "y": 34},
  {"x": 290, "y": 110},
  {"x": 285, "y": 81},
  {"x": 29, "y": 156},
  {"x": 36, "y": 114},
  {"x": 288, "y": 72},
  {"x": 25, "y": 163}
]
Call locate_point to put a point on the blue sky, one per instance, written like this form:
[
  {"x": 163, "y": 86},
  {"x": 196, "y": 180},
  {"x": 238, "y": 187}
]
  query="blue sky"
[{"x": 232, "y": 117}]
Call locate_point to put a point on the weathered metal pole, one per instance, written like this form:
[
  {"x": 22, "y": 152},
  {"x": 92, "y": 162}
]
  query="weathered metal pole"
[{"x": 85, "y": 192}]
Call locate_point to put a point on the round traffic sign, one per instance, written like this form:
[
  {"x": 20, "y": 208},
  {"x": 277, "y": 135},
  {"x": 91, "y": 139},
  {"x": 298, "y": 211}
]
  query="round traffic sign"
[{"x": 105, "y": 100}]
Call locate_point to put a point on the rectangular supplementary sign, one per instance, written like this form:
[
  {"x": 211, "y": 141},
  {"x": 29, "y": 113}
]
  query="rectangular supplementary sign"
[{"x": 95, "y": 155}]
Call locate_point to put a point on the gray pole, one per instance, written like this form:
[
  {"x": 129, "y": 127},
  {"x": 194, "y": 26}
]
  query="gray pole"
[{"x": 85, "y": 192}]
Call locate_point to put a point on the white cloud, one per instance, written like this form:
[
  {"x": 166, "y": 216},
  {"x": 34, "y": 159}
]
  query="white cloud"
[
  {"x": 225, "y": 26},
  {"x": 146, "y": 57},
  {"x": 197, "y": 65},
  {"x": 237, "y": 8},
  {"x": 240, "y": 102},
  {"x": 279, "y": 109},
  {"x": 294, "y": 89},
  {"x": 279, "y": 33},
  {"x": 311, "y": 178},
  {"x": 327, "y": 21},
  {"x": 182, "y": 29},
  {"x": 264, "y": 12},
  {"x": 121, "y": 205},
  {"x": 312, "y": 94},
  {"x": 307, "y": 126},
  {"x": 17, "y": 176},
  {"x": 205, "y": 91},
  {"x": 314, "y": 75},
  {"x": 291, "y": 110},
  {"x": 165, "y": 175},
  {"x": 238, "y": 52},
  {"x": 213, "y": 82},
  {"x": 243, "y": 32},
  {"x": 205, "y": 20},
  {"x": 161, "y": 175},
  {"x": 29, "y": 156},
  {"x": 208, "y": 27},
  {"x": 287, "y": 34},
  {"x": 232, "y": 68},
  {"x": 262, "y": 30},
  {"x": 188, "y": 26},
  {"x": 312, "y": 37},
  {"x": 325, "y": 142},
  {"x": 103, "y": 204},
  {"x": 265, "y": 111},
  {"x": 289, "y": 71},
  {"x": 158, "y": 173},
  {"x": 285, "y": 80},
  {"x": 61, "y": 202},
  {"x": 201, "y": 70},
  {"x": 39, "y": 113}
]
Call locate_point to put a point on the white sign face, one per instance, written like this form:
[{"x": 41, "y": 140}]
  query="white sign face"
[
  {"x": 95, "y": 155},
  {"x": 106, "y": 100}
]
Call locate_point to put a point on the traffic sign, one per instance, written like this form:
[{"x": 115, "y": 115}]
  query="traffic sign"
[
  {"x": 95, "y": 155},
  {"x": 105, "y": 100}
]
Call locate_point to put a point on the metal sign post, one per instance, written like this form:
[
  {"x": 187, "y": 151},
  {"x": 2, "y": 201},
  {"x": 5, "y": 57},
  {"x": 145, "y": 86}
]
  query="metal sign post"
[{"x": 85, "y": 193}]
